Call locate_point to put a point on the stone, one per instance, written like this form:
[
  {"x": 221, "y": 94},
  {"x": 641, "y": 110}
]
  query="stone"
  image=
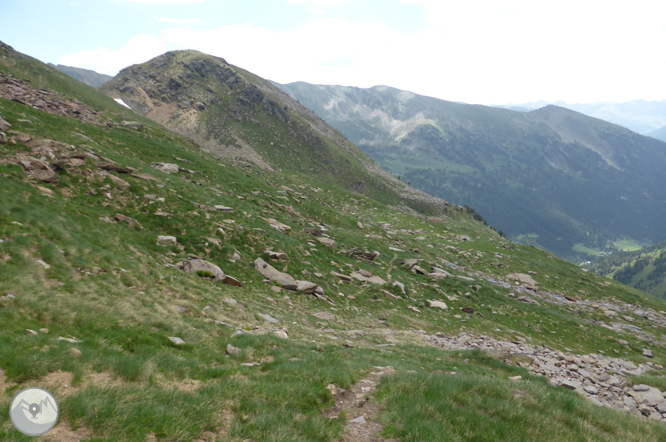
[
  {"x": 326, "y": 316},
  {"x": 306, "y": 287},
  {"x": 328, "y": 242},
  {"x": 622, "y": 342},
  {"x": 589, "y": 389},
  {"x": 134, "y": 125},
  {"x": 31, "y": 332},
  {"x": 522, "y": 277},
  {"x": 630, "y": 402},
  {"x": 438, "y": 275},
  {"x": 166, "y": 240},
  {"x": 647, "y": 353},
  {"x": 400, "y": 285},
  {"x": 166, "y": 167},
  {"x": 45, "y": 190},
  {"x": 341, "y": 276},
  {"x": 46, "y": 175},
  {"x": 419, "y": 270},
  {"x": 651, "y": 396},
  {"x": 409, "y": 263},
  {"x": 176, "y": 340},
  {"x": 357, "y": 253},
  {"x": 414, "y": 309},
  {"x": 655, "y": 416},
  {"x": 437, "y": 304},
  {"x": 117, "y": 181},
  {"x": 572, "y": 385},
  {"x": 358, "y": 420},
  {"x": 133, "y": 224},
  {"x": 230, "y": 280},
  {"x": 515, "y": 378},
  {"x": 359, "y": 225},
  {"x": 223, "y": 208},
  {"x": 269, "y": 272},
  {"x": 233, "y": 351},
  {"x": 75, "y": 352},
  {"x": 70, "y": 340},
  {"x": 281, "y": 334},
  {"x": 372, "y": 279},
  {"x": 268, "y": 318},
  {"x": 201, "y": 266},
  {"x": 662, "y": 407},
  {"x": 527, "y": 300},
  {"x": 276, "y": 255},
  {"x": 644, "y": 410},
  {"x": 276, "y": 224}
]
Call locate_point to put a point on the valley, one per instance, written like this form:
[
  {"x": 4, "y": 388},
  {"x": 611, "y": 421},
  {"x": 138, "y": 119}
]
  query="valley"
[{"x": 553, "y": 178}]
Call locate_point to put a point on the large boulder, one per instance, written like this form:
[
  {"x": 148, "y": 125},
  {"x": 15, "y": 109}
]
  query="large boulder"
[
  {"x": 166, "y": 167},
  {"x": 269, "y": 272},
  {"x": 644, "y": 394},
  {"x": 203, "y": 266},
  {"x": 522, "y": 277}
]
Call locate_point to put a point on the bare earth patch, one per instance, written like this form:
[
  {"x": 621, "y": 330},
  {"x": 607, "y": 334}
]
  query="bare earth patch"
[
  {"x": 361, "y": 411},
  {"x": 63, "y": 433}
]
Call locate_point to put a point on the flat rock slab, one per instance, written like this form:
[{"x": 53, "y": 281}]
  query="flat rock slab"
[
  {"x": 269, "y": 318},
  {"x": 269, "y": 272}
]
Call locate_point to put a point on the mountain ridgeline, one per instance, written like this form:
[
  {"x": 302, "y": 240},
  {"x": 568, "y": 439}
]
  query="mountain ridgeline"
[
  {"x": 552, "y": 177},
  {"x": 639, "y": 116},
  {"x": 235, "y": 114},
  {"x": 86, "y": 76}
]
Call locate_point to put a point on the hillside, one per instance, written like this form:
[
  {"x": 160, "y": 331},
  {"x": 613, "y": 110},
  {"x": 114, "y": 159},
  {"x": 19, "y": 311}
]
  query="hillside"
[
  {"x": 643, "y": 269},
  {"x": 161, "y": 293},
  {"x": 659, "y": 134},
  {"x": 235, "y": 114},
  {"x": 571, "y": 184},
  {"x": 86, "y": 76}
]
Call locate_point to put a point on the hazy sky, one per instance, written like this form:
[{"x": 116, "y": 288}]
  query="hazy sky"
[{"x": 464, "y": 50}]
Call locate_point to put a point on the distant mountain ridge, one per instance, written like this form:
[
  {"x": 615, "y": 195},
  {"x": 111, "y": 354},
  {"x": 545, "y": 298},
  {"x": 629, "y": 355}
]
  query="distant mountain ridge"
[
  {"x": 551, "y": 177},
  {"x": 640, "y": 116},
  {"x": 659, "y": 134},
  {"x": 86, "y": 76}
]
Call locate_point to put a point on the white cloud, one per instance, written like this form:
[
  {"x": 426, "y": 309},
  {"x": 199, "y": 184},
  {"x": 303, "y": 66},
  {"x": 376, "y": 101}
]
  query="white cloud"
[
  {"x": 471, "y": 52},
  {"x": 320, "y": 6},
  {"x": 166, "y": 2},
  {"x": 109, "y": 61},
  {"x": 175, "y": 20}
]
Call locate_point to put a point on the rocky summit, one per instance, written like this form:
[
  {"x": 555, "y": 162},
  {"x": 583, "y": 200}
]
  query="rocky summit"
[{"x": 164, "y": 290}]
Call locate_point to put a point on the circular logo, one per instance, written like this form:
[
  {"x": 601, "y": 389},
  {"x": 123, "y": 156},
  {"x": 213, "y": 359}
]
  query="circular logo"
[{"x": 34, "y": 411}]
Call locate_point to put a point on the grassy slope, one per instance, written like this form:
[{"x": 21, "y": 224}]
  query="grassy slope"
[{"x": 108, "y": 286}]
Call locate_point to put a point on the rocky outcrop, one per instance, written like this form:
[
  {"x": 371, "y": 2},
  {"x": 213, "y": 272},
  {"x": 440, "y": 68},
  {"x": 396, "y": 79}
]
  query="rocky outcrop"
[{"x": 601, "y": 379}]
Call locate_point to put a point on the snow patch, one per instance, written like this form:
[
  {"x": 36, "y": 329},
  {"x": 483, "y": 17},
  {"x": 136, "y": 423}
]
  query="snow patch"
[{"x": 120, "y": 101}]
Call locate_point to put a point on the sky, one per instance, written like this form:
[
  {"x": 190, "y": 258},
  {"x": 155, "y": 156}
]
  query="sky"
[{"x": 472, "y": 51}]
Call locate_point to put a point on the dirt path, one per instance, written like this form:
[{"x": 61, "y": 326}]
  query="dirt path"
[{"x": 361, "y": 411}]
